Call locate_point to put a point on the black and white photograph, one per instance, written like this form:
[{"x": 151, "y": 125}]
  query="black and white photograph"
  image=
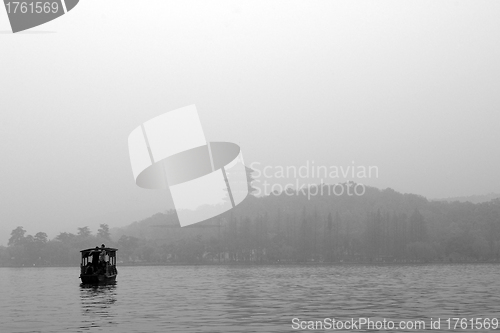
[{"x": 194, "y": 166}]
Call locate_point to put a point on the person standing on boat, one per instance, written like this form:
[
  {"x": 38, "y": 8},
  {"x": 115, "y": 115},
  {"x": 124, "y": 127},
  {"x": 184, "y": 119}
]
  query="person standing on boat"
[
  {"x": 103, "y": 254},
  {"x": 95, "y": 258},
  {"x": 102, "y": 258}
]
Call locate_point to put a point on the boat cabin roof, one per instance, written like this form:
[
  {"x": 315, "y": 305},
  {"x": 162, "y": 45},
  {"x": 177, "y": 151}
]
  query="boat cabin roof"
[{"x": 108, "y": 249}]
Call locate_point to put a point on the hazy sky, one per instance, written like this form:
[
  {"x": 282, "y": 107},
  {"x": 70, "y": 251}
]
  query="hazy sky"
[{"x": 410, "y": 87}]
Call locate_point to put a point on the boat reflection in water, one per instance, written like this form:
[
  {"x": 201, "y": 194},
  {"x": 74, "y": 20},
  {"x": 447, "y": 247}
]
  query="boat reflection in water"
[{"x": 97, "y": 303}]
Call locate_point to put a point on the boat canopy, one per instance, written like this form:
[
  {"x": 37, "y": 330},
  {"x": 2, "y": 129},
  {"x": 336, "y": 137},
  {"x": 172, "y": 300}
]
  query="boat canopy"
[
  {"x": 88, "y": 254},
  {"x": 107, "y": 249}
]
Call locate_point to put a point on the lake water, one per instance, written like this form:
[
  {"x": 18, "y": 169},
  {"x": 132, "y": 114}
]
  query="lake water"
[{"x": 247, "y": 298}]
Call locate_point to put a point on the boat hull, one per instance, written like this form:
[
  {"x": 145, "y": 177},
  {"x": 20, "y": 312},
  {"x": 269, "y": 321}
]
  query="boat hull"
[{"x": 98, "y": 279}]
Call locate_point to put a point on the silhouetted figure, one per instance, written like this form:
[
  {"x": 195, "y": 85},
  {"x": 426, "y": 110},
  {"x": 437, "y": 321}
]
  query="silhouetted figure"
[
  {"x": 95, "y": 258},
  {"x": 89, "y": 270}
]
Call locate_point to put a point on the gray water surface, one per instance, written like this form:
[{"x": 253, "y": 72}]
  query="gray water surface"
[{"x": 245, "y": 298}]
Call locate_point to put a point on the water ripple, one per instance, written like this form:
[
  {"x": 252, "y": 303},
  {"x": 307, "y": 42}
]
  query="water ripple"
[{"x": 243, "y": 298}]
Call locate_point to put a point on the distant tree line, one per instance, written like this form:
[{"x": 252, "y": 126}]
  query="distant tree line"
[
  {"x": 38, "y": 250},
  {"x": 380, "y": 226}
]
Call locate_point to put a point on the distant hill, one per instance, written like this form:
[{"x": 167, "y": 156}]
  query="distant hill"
[
  {"x": 282, "y": 210},
  {"x": 473, "y": 198},
  {"x": 316, "y": 224},
  {"x": 321, "y": 223}
]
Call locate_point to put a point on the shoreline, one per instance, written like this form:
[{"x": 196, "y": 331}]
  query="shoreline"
[{"x": 142, "y": 264}]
